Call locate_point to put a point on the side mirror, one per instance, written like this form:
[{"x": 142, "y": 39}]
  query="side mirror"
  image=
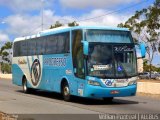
[
  {"x": 143, "y": 50},
  {"x": 140, "y": 50},
  {"x": 85, "y": 47}
]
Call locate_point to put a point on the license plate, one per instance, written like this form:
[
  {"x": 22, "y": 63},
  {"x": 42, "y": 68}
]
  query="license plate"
[{"x": 114, "y": 92}]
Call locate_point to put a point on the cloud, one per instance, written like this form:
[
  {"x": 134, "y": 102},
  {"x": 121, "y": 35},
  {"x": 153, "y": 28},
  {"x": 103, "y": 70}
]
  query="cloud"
[
  {"x": 96, "y": 3},
  {"x": 22, "y": 24},
  {"x": 3, "y": 37},
  {"x": 25, "y": 5},
  {"x": 107, "y": 20}
]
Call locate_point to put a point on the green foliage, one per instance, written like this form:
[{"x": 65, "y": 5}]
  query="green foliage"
[
  {"x": 4, "y": 51},
  {"x": 57, "y": 24},
  {"x": 7, "y": 45},
  {"x": 5, "y": 68},
  {"x": 5, "y": 54},
  {"x": 146, "y": 24},
  {"x": 72, "y": 24},
  {"x": 146, "y": 19},
  {"x": 146, "y": 68}
]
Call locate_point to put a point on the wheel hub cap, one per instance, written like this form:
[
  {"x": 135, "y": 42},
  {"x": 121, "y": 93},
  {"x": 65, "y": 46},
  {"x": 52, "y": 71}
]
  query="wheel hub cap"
[{"x": 66, "y": 91}]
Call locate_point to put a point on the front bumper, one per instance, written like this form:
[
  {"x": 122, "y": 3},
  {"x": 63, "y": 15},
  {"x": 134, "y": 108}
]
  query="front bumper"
[{"x": 101, "y": 92}]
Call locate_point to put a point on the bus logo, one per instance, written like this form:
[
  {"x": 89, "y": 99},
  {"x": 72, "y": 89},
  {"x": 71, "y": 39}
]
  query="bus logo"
[
  {"x": 35, "y": 72},
  {"x": 109, "y": 82}
]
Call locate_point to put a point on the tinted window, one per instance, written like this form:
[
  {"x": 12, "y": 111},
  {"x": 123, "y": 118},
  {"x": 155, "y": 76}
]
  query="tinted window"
[
  {"x": 111, "y": 36},
  {"x": 52, "y": 44},
  {"x": 40, "y": 46},
  {"x": 63, "y": 43},
  {"x": 16, "y": 49},
  {"x": 23, "y": 48},
  {"x": 31, "y": 47},
  {"x": 58, "y": 43}
]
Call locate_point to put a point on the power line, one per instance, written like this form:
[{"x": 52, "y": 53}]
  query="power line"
[
  {"x": 108, "y": 13},
  {"x": 113, "y": 11},
  {"x": 32, "y": 30}
]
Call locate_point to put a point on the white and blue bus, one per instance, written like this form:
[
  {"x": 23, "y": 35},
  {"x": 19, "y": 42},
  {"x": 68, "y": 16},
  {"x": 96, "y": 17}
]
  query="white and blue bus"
[{"x": 86, "y": 61}]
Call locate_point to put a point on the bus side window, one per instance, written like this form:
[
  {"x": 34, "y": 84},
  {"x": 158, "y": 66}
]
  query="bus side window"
[
  {"x": 57, "y": 43},
  {"x": 51, "y": 44},
  {"x": 40, "y": 46},
  {"x": 67, "y": 43},
  {"x": 60, "y": 43},
  {"x": 32, "y": 47},
  {"x": 23, "y": 48},
  {"x": 16, "y": 50}
]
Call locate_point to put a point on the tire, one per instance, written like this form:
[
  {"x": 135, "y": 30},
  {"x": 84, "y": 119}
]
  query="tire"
[
  {"x": 108, "y": 99},
  {"x": 66, "y": 92},
  {"x": 24, "y": 85}
]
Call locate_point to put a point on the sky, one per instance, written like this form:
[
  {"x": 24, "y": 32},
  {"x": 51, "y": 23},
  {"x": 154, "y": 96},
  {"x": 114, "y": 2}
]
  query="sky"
[{"x": 24, "y": 17}]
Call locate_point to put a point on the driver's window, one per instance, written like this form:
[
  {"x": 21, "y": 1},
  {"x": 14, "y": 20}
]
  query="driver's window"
[
  {"x": 80, "y": 63},
  {"x": 77, "y": 53}
]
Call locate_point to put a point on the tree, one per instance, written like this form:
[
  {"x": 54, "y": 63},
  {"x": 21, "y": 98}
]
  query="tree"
[
  {"x": 145, "y": 24},
  {"x": 146, "y": 67},
  {"x": 57, "y": 24},
  {"x": 72, "y": 24},
  {"x": 6, "y": 68},
  {"x": 5, "y": 52}
]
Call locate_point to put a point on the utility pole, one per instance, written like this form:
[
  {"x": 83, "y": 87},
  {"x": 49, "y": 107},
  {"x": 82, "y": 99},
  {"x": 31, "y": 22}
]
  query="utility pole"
[
  {"x": 1, "y": 44},
  {"x": 42, "y": 3}
]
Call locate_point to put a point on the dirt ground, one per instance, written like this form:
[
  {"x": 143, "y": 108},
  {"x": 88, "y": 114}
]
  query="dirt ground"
[{"x": 4, "y": 116}]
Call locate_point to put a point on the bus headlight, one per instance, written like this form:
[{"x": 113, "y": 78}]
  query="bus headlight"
[
  {"x": 95, "y": 83},
  {"x": 132, "y": 82}
]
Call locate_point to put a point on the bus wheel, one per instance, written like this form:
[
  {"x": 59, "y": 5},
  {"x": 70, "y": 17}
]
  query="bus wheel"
[
  {"x": 24, "y": 85},
  {"x": 108, "y": 99},
  {"x": 66, "y": 92}
]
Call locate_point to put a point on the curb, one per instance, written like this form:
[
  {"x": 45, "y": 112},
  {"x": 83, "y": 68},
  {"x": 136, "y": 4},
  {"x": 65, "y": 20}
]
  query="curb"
[
  {"x": 5, "y": 76},
  {"x": 148, "y": 87}
]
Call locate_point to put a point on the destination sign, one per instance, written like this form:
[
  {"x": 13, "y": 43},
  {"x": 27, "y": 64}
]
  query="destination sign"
[{"x": 123, "y": 48}]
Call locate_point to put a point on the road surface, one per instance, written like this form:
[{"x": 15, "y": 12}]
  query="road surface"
[{"x": 14, "y": 101}]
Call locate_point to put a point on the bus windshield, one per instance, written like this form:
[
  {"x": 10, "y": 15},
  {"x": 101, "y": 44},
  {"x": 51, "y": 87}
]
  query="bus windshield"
[
  {"x": 109, "y": 36},
  {"x": 111, "y": 60}
]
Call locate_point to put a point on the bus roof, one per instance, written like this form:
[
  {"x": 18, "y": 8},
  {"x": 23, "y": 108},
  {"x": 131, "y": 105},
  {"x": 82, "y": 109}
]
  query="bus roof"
[{"x": 65, "y": 29}]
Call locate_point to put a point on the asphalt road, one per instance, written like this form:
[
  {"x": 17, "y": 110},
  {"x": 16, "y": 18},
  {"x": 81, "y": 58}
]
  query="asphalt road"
[{"x": 14, "y": 101}]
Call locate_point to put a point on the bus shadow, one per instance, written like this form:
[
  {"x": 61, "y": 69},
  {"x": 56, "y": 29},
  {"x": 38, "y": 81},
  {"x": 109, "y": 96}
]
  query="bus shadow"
[
  {"x": 80, "y": 100},
  {"x": 88, "y": 101}
]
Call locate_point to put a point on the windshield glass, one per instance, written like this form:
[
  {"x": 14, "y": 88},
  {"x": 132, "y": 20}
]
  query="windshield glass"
[
  {"x": 109, "y": 36},
  {"x": 111, "y": 60}
]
